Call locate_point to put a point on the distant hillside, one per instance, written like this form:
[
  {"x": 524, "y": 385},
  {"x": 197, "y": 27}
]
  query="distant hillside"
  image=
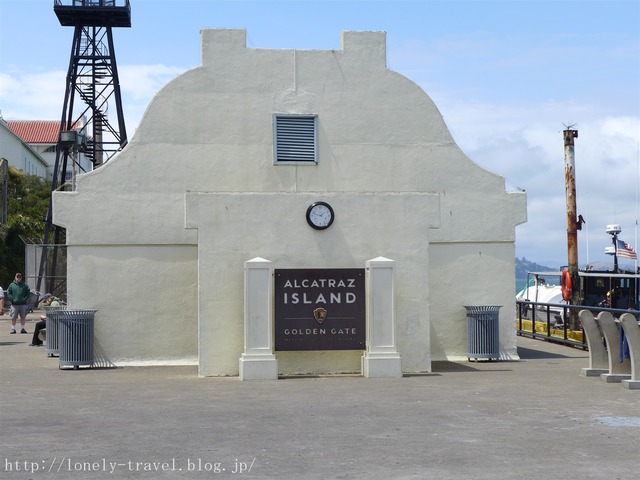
[{"x": 523, "y": 266}]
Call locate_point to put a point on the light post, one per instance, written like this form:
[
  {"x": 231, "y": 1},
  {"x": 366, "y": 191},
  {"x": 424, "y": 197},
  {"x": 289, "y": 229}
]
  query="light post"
[
  {"x": 72, "y": 142},
  {"x": 614, "y": 231}
]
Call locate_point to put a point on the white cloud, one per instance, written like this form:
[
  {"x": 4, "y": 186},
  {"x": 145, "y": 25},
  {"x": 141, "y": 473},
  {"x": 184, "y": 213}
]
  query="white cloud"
[
  {"x": 532, "y": 157},
  {"x": 28, "y": 95},
  {"x": 32, "y": 95},
  {"x": 142, "y": 82}
]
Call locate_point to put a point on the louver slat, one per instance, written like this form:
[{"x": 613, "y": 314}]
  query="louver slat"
[{"x": 295, "y": 139}]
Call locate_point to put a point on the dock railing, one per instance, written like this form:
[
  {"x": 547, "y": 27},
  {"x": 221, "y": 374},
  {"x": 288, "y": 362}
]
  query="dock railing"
[{"x": 551, "y": 321}]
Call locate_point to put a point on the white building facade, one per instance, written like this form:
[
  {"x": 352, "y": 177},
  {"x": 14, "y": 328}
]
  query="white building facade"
[
  {"x": 19, "y": 154},
  {"x": 159, "y": 237},
  {"x": 41, "y": 138}
]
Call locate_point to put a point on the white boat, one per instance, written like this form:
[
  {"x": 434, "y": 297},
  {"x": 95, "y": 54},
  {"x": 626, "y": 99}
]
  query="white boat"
[{"x": 544, "y": 288}]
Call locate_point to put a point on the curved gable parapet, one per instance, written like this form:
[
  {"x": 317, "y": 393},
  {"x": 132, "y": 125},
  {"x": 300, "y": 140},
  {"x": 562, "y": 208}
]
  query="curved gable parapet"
[
  {"x": 212, "y": 129},
  {"x": 360, "y": 103}
]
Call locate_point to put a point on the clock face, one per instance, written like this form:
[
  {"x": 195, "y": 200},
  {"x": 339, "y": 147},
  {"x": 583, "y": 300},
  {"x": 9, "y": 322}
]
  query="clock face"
[{"x": 320, "y": 215}]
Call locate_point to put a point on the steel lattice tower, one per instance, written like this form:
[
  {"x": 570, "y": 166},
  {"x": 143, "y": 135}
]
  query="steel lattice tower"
[{"x": 92, "y": 85}]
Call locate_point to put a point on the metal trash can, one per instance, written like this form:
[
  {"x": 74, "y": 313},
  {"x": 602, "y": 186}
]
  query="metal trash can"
[
  {"x": 52, "y": 321},
  {"x": 76, "y": 337},
  {"x": 483, "y": 332}
]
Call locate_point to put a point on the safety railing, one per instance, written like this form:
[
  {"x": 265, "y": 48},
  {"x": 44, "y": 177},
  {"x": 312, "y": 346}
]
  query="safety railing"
[{"x": 556, "y": 322}]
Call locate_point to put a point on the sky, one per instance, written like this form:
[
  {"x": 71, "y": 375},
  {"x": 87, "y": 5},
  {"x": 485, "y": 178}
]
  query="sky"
[{"x": 508, "y": 76}]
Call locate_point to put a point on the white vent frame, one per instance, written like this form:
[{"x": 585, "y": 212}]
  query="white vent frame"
[{"x": 295, "y": 139}]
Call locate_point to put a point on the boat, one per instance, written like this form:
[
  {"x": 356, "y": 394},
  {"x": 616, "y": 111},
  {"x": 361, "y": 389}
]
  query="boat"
[
  {"x": 543, "y": 305},
  {"x": 542, "y": 288},
  {"x": 610, "y": 289}
]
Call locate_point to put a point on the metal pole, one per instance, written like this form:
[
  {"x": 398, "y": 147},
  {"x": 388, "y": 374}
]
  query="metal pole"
[
  {"x": 615, "y": 252},
  {"x": 572, "y": 216}
]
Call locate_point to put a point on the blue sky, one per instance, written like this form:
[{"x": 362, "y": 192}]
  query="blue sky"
[{"x": 506, "y": 76}]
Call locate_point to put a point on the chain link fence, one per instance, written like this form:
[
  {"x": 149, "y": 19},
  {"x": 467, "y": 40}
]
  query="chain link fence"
[{"x": 46, "y": 268}]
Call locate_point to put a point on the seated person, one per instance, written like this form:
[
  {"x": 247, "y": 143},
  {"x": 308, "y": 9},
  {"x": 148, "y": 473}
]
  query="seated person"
[{"x": 48, "y": 301}]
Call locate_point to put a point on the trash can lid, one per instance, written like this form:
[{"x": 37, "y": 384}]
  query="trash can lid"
[{"x": 482, "y": 308}]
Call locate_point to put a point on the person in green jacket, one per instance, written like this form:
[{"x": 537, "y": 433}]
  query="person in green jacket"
[{"x": 18, "y": 292}]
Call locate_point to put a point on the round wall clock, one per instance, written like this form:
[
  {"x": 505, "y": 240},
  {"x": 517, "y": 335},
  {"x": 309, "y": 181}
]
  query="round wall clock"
[{"x": 320, "y": 215}]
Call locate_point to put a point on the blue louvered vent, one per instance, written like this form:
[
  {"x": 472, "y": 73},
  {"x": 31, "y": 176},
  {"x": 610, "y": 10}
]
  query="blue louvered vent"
[{"x": 295, "y": 139}]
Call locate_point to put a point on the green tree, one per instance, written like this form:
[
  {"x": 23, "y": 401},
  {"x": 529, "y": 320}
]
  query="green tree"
[{"x": 28, "y": 201}]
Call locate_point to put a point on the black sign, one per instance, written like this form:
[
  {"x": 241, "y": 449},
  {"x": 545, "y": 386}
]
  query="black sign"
[{"x": 320, "y": 309}]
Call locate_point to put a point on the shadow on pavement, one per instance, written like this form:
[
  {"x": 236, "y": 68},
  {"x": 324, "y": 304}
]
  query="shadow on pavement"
[{"x": 531, "y": 354}]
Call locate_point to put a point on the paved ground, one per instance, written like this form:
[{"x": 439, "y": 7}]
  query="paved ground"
[{"x": 532, "y": 419}]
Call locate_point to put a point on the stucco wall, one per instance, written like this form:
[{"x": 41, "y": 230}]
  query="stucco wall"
[
  {"x": 470, "y": 273},
  {"x": 210, "y": 131},
  {"x": 146, "y": 300},
  {"x": 232, "y": 227}
]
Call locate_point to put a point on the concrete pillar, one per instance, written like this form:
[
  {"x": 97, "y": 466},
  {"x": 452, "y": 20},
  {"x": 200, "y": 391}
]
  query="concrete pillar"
[
  {"x": 598, "y": 361},
  {"x": 632, "y": 332},
  {"x": 618, "y": 371},
  {"x": 381, "y": 358},
  {"x": 258, "y": 361}
]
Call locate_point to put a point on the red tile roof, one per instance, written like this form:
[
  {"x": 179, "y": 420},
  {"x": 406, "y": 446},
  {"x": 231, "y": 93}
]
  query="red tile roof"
[{"x": 36, "y": 131}]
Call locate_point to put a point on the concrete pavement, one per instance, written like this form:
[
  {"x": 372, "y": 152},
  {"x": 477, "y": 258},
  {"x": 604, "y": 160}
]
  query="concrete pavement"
[{"x": 531, "y": 419}]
